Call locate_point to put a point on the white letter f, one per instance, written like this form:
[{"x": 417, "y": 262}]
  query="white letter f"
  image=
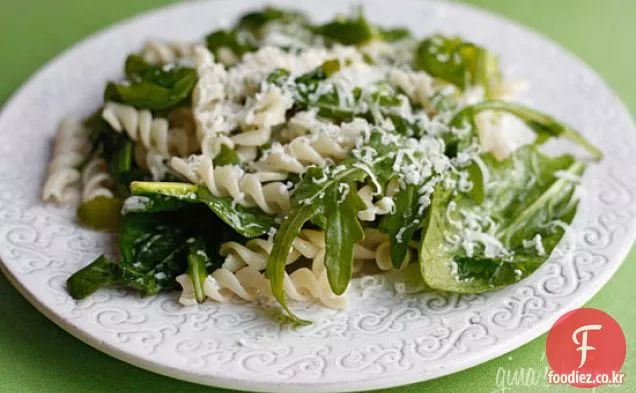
[{"x": 584, "y": 347}]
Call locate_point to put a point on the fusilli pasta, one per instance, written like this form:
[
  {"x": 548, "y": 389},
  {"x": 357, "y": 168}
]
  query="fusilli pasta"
[
  {"x": 313, "y": 142},
  {"x": 160, "y": 52},
  {"x": 96, "y": 181},
  {"x": 63, "y": 176},
  {"x": 153, "y": 133},
  {"x": 249, "y": 284},
  {"x": 262, "y": 189}
]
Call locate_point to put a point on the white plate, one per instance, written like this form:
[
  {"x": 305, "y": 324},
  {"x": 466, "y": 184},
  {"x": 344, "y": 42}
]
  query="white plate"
[{"x": 382, "y": 339}]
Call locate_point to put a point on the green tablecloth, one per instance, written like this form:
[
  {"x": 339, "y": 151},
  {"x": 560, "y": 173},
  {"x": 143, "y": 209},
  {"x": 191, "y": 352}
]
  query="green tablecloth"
[{"x": 37, "y": 356}]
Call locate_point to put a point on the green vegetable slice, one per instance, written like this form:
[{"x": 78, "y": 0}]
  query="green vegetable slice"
[{"x": 100, "y": 213}]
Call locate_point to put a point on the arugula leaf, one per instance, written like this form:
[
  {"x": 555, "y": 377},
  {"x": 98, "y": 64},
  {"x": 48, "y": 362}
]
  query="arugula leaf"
[
  {"x": 316, "y": 195},
  {"x": 283, "y": 240},
  {"x": 316, "y": 182},
  {"x": 157, "y": 89},
  {"x": 343, "y": 230},
  {"x": 544, "y": 125},
  {"x": 475, "y": 176},
  {"x": 523, "y": 198},
  {"x": 402, "y": 223},
  {"x": 101, "y": 272},
  {"x": 248, "y": 222},
  {"x": 197, "y": 260},
  {"x": 460, "y": 63}
]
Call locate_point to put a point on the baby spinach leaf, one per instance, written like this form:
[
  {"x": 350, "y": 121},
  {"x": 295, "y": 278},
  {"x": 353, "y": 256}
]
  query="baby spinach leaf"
[
  {"x": 157, "y": 89},
  {"x": 100, "y": 273},
  {"x": 232, "y": 39},
  {"x": 248, "y": 222},
  {"x": 197, "y": 260},
  {"x": 523, "y": 198},
  {"x": 343, "y": 230},
  {"x": 152, "y": 251},
  {"x": 460, "y": 63},
  {"x": 347, "y": 31}
]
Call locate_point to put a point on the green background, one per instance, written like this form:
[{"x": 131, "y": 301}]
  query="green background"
[{"x": 37, "y": 356}]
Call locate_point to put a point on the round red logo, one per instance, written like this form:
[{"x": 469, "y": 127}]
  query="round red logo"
[{"x": 586, "y": 348}]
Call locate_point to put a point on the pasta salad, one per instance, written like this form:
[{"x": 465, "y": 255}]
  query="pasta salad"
[{"x": 279, "y": 158}]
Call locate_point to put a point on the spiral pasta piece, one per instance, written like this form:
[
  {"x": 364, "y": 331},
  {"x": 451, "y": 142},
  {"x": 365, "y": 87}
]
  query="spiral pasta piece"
[
  {"x": 266, "y": 110},
  {"x": 160, "y": 53},
  {"x": 96, "y": 181},
  {"x": 376, "y": 247},
  {"x": 312, "y": 142},
  {"x": 153, "y": 133},
  {"x": 63, "y": 176},
  {"x": 247, "y": 189},
  {"x": 254, "y": 253},
  {"x": 249, "y": 284}
]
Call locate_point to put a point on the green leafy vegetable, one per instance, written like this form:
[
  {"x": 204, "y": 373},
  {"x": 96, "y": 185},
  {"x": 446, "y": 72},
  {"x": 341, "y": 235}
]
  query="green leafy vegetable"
[
  {"x": 544, "y": 125},
  {"x": 135, "y": 68},
  {"x": 152, "y": 250},
  {"x": 343, "y": 230},
  {"x": 249, "y": 222},
  {"x": 254, "y": 22},
  {"x": 285, "y": 236},
  {"x": 157, "y": 89},
  {"x": 402, "y": 223},
  {"x": 101, "y": 272},
  {"x": 197, "y": 260},
  {"x": 121, "y": 166},
  {"x": 523, "y": 198},
  {"x": 347, "y": 31},
  {"x": 461, "y": 63},
  {"x": 394, "y": 34},
  {"x": 317, "y": 198},
  {"x": 229, "y": 39}
]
